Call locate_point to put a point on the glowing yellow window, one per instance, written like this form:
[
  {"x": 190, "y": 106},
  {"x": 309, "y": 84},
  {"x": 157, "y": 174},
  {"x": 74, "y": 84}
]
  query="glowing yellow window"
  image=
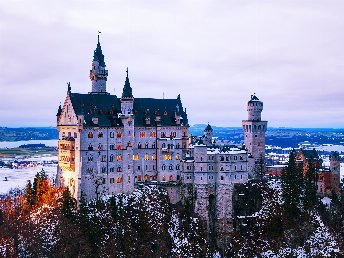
[
  {"x": 177, "y": 157},
  {"x": 146, "y": 156},
  {"x": 153, "y": 157},
  {"x": 136, "y": 157},
  {"x": 118, "y": 157}
]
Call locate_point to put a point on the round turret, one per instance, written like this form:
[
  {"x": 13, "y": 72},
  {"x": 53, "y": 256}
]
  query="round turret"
[{"x": 254, "y": 108}]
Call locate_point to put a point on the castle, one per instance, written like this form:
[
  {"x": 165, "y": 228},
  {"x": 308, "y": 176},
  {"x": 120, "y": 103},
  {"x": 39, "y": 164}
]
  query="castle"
[{"x": 109, "y": 145}]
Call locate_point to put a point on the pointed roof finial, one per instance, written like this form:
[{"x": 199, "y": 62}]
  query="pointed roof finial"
[
  {"x": 127, "y": 73},
  {"x": 98, "y": 35},
  {"x": 69, "y": 88}
]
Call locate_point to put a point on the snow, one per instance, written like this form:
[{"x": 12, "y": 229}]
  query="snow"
[
  {"x": 326, "y": 201},
  {"x": 17, "y": 178}
]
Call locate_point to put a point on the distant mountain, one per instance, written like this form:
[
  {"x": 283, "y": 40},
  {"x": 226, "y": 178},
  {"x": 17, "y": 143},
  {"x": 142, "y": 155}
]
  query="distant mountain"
[{"x": 28, "y": 133}]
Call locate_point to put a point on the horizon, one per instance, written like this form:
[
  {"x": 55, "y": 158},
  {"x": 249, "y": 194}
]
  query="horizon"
[
  {"x": 215, "y": 55},
  {"x": 193, "y": 125}
]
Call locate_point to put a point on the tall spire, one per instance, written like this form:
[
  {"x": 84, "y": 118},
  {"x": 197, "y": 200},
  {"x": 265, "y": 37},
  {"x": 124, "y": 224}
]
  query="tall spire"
[
  {"x": 98, "y": 54},
  {"x": 127, "y": 90},
  {"x": 98, "y": 74}
]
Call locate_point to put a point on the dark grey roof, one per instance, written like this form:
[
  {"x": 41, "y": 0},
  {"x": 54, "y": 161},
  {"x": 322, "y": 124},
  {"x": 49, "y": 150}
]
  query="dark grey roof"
[
  {"x": 310, "y": 154},
  {"x": 165, "y": 108},
  {"x": 107, "y": 107},
  {"x": 127, "y": 90},
  {"x": 98, "y": 55},
  {"x": 102, "y": 106},
  {"x": 208, "y": 128}
]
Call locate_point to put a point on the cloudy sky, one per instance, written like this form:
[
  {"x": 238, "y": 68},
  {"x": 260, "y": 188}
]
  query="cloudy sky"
[{"x": 214, "y": 53}]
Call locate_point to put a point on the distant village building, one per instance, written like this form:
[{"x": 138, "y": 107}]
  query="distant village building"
[{"x": 109, "y": 145}]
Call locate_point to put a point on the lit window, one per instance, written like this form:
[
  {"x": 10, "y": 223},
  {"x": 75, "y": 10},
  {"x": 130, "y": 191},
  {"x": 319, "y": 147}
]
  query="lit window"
[
  {"x": 136, "y": 157},
  {"x": 118, "y": 157},
  {"x": 138, "y": 178},
  {"x": 90, "y": 135},
  {"x": 146, "y": 156},
  {"x": 142, "y": 134},
  {"x": 119, "y": 179},
  {"x": 163, "y": 178},
  {"x": 146, "y": 178},
  {"x": 153, "y": 157},
  {"x": 152, "y": 134},
  {"x": 119, "y": 134},
  {"x": 119, "y": 147},
  {"x": 171, "y": 178}
]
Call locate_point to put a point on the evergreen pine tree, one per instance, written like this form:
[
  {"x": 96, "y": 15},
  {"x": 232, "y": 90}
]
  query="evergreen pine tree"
[
  {"x": 311, "y": 180},
  {"x": 28, "y": 195},
  {"x": 68, "y": 206},
  {"x": 291, "y": 180}
]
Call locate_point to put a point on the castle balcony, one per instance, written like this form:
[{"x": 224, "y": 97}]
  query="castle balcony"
[{"x": 66, "y": 154}]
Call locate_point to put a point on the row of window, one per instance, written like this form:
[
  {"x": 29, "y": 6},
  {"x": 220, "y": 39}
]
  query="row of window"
[
  {"x": 66, "y": 158},
  {"x": 101, "y": 135},
  {"x": 139, "y": 146},
  {"x": 75, "y": 135}
]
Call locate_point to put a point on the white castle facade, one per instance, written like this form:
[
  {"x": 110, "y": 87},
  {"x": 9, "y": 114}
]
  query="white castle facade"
[{"x": 109, "y": 145}]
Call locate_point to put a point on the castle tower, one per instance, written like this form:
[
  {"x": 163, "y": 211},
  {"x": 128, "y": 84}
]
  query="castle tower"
[
  {"x": 335, "y": 171},
  {"x": 127, "y": 116},
  {"x": 254, "y": 133},
  {"x": 208, "y": 135},
  {"x": 98, "y": 74}
]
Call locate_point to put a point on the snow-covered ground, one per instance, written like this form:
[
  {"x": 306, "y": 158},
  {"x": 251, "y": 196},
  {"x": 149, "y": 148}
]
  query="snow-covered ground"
[{"x": 19, "y": 177}]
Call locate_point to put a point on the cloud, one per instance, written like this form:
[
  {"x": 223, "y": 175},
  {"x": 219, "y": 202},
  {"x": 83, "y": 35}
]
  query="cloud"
[{"x": 214, "y": 53}]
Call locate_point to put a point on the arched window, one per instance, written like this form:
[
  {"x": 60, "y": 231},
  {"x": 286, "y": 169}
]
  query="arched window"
[
  {"x": 178, "y": 167},
  {"x": 163, "y": 178},
  {"x": 100, "y": 135},
  {"x": 146, "y": 178},
  {"x": 111, "y": 158},
  {"x": 163, "y": 167},
  {"x": 90, "y": 135},
  {"x": 171, "y": 178},
  {"x": 222, "y": 158},
  {"x": 170, "y": 167},
  {"x": 163, "y": 145},
  {"x": 90, "y": 147},
  {"x": 153, "y": 157},
  {"x": 119, "y": 169}
]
